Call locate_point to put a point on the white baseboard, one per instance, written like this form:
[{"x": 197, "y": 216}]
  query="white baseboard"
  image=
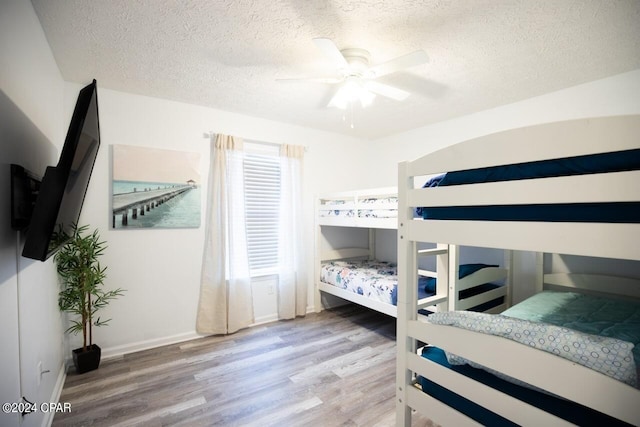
[
  {"x": 274, "y": 317},
  {"x": 55, "y": 395},
  {"x": 121, "y": 350},
  {"x": 264, "y": 319}
]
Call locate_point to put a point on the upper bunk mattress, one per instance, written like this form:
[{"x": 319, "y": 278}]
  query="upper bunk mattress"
[{"x": 620, "y": 212}]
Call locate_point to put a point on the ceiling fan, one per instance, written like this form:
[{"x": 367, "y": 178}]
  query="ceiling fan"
[{"x": 357, "y": 78}]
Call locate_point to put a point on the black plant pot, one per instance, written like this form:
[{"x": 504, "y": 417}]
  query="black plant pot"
[{"x": 86, "y": 361}]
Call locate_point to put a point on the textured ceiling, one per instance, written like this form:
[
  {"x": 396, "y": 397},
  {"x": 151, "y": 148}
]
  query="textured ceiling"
[{"x": 228, "y": 54}]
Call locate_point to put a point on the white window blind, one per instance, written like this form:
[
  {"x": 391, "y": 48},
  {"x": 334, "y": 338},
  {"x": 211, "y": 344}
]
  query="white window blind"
[{"x": 262, "y": 203}]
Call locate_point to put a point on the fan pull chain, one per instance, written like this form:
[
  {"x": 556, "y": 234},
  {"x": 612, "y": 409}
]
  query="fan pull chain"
[
  {"x": 351, "y": 108},
  {"x": 350, "y": 113}
]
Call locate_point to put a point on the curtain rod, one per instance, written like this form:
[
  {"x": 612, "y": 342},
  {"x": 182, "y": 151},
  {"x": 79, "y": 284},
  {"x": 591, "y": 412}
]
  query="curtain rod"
[{"x": 208, "y": 135}]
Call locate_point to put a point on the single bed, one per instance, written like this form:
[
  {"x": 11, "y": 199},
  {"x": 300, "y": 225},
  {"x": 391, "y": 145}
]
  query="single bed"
[{"x": 592, "y": 213}]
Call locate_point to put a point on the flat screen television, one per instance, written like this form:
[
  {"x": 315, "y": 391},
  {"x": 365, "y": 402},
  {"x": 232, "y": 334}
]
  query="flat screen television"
[{"x": 62, "y": 190}]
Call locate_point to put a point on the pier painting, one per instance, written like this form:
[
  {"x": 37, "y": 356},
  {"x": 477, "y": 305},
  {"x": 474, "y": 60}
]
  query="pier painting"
[{"x": 154, "y": 188}]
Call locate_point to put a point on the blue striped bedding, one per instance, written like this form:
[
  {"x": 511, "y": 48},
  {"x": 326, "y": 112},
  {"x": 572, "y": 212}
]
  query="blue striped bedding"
[{"x": 618, "y": 212}]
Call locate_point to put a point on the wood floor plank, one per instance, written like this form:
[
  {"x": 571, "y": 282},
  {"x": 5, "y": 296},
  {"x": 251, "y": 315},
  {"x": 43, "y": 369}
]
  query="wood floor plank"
[{"x": 335, "y": 368}]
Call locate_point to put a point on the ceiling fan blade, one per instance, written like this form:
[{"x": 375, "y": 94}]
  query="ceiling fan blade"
[
  {"x": 331, "y": 51},
  {"x": 417, "y": 85},
  {"x": 409, "y": 60},
  {"x": 386, "y": 90},
  {"x": 327, "y": 80}
]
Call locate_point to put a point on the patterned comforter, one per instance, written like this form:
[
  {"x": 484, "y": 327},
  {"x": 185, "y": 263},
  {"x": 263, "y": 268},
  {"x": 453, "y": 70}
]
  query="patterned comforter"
[
  {"x": 373, "y": 279},
  {"x": 379, "y": 210}
]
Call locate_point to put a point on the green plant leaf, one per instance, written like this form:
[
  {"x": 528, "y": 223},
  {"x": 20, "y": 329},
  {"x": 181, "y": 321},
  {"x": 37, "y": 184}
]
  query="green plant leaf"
[{"x": 82, "y": 280}]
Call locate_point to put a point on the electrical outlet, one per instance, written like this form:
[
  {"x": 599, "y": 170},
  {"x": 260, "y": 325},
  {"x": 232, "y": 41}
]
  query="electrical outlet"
[{"x": 40, "y": 371}]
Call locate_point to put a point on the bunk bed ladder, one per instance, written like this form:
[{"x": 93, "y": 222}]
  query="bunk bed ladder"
[
  {"x": 407, "y": 262},
  {"x": 442, "y": 252},
  {"x": 408, "y": 306}
]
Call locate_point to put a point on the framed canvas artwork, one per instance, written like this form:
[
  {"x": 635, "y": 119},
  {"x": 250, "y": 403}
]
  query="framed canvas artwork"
[{"x": 154, "y": 188}]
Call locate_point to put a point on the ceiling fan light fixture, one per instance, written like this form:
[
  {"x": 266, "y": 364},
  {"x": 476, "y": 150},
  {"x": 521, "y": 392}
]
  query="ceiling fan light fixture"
[
  {"x": 352, "y": 91},
  {"x": 366, "y": 98},
  {"x": 358, "y": 78}
]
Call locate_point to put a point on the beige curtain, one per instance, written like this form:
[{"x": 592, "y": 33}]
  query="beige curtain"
[
  {"x": 292, "y": 285},
  {"x": 226, "y": 303}
]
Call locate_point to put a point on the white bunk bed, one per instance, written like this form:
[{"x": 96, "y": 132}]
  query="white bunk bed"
[
  {"x": 583, "y": 236},
  {"x": 485, "y": 288}
]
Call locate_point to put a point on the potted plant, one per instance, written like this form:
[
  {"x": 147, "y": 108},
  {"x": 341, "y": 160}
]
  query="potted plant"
[{"x": 82, "y": 293}]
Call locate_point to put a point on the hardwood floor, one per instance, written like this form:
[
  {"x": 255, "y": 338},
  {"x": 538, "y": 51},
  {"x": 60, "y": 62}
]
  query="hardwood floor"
[{"x": 335, "y": 368}]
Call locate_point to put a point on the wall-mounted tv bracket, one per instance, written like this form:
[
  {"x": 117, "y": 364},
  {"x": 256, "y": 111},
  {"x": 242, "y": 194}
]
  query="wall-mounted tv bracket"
[{"x": 24, "y": 191}]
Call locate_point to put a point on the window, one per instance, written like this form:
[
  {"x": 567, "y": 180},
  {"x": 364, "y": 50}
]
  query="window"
[{"x": 262, "y": 204}]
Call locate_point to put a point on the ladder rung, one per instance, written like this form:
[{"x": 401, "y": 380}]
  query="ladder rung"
[
  {"x": 431, "y": 252},
  {"x": 427, "y": 273},
  {"x": 432, "y": 300}
]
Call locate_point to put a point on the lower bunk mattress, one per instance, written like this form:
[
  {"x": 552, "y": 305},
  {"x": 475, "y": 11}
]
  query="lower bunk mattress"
[
  {"x": 586, "y": 314},
  {"x": 378, "y": 280}
]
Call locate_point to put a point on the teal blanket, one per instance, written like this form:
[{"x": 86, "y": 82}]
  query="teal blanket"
[{"x": 584, "y": 313}]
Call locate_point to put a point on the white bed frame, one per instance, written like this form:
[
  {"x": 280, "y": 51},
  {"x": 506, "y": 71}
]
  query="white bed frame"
[
  {"x": 559, "y": 376},
  {"x": 447, "y": 261}
]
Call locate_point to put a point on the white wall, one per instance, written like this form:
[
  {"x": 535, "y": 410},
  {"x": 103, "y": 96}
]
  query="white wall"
[
  {"x": 160, "y": 269},
  {"x": 31, "y": 133},
  {"x": 617, "y": 95}
]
